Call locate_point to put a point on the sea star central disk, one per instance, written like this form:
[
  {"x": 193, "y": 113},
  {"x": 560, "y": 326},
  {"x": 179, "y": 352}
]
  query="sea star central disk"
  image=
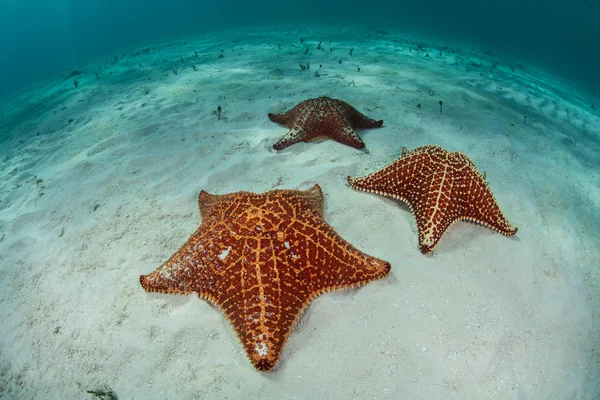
[
  {"x": 323, "y": 118},
  {"x": 440, "y": 187},
  {"x": 261, "y": 258}
]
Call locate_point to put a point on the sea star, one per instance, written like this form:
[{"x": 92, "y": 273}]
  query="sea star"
[
  {"x": 440, "y": 187},
  {"x": 261, "y": 258},
  {"x": 322, "y": 118}
]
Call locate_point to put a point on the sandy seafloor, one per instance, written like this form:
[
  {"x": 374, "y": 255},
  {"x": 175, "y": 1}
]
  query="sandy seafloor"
[{"x": 99, "y": 184}]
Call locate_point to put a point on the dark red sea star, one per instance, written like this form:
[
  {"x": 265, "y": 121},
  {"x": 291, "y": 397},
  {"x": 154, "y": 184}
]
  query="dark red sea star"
[{"x": 323, "y": 118}]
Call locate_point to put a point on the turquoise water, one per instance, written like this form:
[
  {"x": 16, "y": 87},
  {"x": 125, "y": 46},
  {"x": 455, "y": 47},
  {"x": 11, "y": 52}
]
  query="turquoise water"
[
  {"x": 38, "y": 37},
  {"x": 115, "y": 117}
]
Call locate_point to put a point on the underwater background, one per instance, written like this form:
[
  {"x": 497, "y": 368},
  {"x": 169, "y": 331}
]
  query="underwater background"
[
  {"x": 41, "y": 37},
  {"x": 120, "y": 121}
]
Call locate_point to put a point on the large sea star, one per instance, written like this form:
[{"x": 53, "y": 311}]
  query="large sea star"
[
  {"x": 440, "y": 187},
  {"x": 323, "y": 118},
  {"x": 261, "y": 258}
]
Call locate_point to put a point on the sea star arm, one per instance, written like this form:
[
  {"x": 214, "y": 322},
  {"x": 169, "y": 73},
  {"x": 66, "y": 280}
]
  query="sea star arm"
[
  {"x": 396, "y": 180},
  {"x": 261, "y": 312},
  {"x": 319, "y": 254},
  {"x": 295, "y": 135},
  {"x": 198, "y": 266},
  {"x": 184, "y": 272},
  {"x": 306, "y": 258},
  {"x": 423, "y": 188},
  {"x": 348, "y": 136},
  {"x": 483, "y": 208},
  {"x": 264, "y": 308},
  {"x": 359, "y": 120},
  {"x": 284, "y": 118},
  {"x": 434, "y": 210},
  {"x": 284, "y": 275},
  {"x": 326, "y": 260}
]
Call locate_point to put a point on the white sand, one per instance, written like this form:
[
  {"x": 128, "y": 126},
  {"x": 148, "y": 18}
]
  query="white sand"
[{"x": 484, "y": 317}]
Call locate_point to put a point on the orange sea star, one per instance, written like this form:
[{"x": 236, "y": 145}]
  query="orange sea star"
[
  {"x": 440, "y": 187},
  {"x": 261, "y": 258}
]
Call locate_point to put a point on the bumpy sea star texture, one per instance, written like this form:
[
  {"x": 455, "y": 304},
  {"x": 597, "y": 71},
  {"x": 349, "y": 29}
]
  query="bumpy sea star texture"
[
  {"x": 440, "y": 187},
  {"x": 261, "y": 258},
  {"x": 323, "y": 118}
]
